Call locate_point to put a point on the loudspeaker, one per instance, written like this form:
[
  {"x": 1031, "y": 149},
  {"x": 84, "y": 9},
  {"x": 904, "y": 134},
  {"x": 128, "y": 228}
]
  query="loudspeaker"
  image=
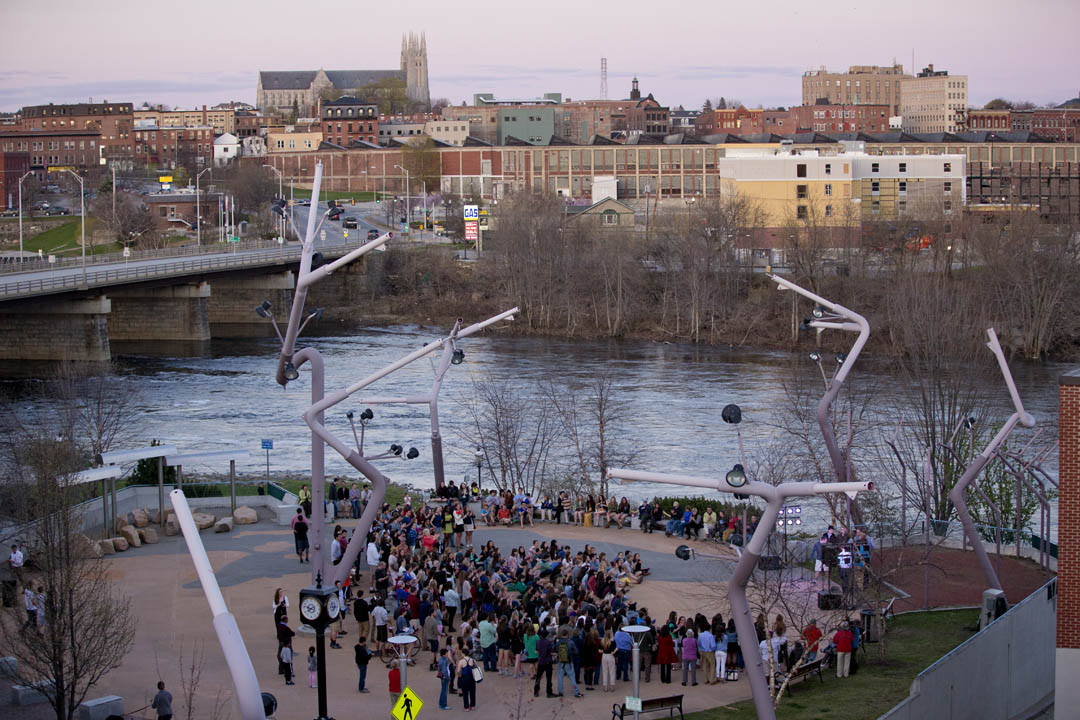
[
  {"x": 769, "y": 562},
  {"x": 827, "y": 600}
]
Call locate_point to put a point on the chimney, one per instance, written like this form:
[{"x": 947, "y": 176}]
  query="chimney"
[{"x": 1068, "y": 579}]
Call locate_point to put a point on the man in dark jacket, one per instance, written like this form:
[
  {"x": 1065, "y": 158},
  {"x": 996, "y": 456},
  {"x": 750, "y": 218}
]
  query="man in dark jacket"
[{"x": 543, "y": 663}]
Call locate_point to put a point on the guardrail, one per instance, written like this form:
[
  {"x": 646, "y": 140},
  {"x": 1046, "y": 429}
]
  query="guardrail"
[{"x": 50, "y": 284}]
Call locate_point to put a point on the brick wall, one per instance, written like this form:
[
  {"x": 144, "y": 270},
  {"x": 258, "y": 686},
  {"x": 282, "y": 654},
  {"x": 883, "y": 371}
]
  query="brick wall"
[{"x": 1068, "y": 619}]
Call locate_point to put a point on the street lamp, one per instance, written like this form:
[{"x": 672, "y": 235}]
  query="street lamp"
[
  {"x": 198, "y": 207},
  {"x": 637, "y": 633},
  {"x": 281, "y": 194},
  {"x": 25, "y": 175},
  {"x": 82, "y": 205},
  {"x": 319, "y": 608},
  {"x": 401, "y": 647},
  {"x": 479, "y": 460},
  {"x": 408, "y": 203}
]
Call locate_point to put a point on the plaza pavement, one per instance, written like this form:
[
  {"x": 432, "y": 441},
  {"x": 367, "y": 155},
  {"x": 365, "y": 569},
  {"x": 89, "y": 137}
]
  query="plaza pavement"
[{"x": 254, "y": 560}]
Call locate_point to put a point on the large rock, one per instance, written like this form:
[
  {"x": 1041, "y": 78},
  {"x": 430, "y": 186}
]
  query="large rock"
[
  {"x": 203, "y": 520},
  {"x": 148, "y": 535},
  {"x": 106, "y": 547},
  {"x": 223, "y": 525},
  {"x": 129, "y": 533},
  {"x": 245, "y": 515},
  {"x": 84, "y": 547},
  {"x": 172, "y": 527},
  {"x": 31, "y": 694},
  {"x": 140, "y": 517},
  {"x": 120, "y": 521},
  {"x": 101, "y": 708},
  {"x": 119, "y": 544}
]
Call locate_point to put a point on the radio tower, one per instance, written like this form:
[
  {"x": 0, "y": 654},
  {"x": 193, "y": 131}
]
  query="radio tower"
[{"x": 603, "y": 78}]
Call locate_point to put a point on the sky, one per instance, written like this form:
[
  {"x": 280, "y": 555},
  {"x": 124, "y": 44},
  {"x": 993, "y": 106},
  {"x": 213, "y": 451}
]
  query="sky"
[{"x": 199, "y": 52}]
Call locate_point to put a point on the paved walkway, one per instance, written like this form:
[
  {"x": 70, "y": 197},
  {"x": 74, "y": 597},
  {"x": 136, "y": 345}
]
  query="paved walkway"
[{"x": 252, "y": 561}]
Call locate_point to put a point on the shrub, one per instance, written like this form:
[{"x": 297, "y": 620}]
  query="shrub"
[{"x": 701, "y": 503}]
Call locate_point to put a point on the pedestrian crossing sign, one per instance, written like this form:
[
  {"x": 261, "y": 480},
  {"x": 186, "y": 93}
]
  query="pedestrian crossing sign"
[{"x": 407, "y": 706}]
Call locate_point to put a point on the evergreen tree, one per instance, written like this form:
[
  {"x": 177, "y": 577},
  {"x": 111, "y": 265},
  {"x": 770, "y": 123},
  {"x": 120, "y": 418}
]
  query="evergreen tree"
[
  {"x": 707, "y": 107},
  {"x": 722, "y": 105}
]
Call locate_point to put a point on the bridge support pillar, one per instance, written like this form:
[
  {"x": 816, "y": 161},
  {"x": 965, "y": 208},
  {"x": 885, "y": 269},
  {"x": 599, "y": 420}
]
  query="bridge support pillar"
[
  {"x": 171, "y": 313},
  {"x": 232, "y": 306},
  {"x": 68, "y": 330}
]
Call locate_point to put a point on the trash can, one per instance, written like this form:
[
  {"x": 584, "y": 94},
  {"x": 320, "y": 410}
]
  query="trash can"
[{"x": 871, "y": 631}]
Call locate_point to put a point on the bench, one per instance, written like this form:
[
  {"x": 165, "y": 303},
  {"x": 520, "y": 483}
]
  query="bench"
[
  {"x": 809, "y": 667},
  {"x": 101, "y": 708},
  {"x": 670, "y": 703}
]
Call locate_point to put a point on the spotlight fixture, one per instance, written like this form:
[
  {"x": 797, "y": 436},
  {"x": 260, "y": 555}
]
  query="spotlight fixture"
[
  {"x": 316, "y": 314},
  {"x": 805, "y": 324},
  {"x": 349, "y": 414},
  {"x": 291, "y": 373},
  {"x": 840, "y": 358},
  {"x": 731, "y": 414},
  {"x": 395, "y": 449},
  {"x": 367, "y": 414},
  {"x": 412, "y": 454},
  {"x": 458, "y": 357},
  {"x": 736, "y": 477},
  {"x": 263, "y": 310},
  {"x": 683, "y": 552},
  {"x": 798, "y": 521},
  {"x": 969, "y": 423},
  {"x": 819, "y": 312},
  {"x": 815, "y": 356}
]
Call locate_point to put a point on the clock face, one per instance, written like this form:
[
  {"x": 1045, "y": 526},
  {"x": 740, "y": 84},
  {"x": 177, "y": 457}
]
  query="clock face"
[
  {"x": 310, "y": 608},
  {"x": 333, "y": 606}
]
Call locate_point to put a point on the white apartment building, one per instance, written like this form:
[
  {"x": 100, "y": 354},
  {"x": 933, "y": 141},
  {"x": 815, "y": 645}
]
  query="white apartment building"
[{"x": 934, "y": 101}]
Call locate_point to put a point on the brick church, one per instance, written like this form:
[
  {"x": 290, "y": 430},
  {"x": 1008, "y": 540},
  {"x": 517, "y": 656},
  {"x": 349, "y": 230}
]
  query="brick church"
[{"x": 281, "y": 91}]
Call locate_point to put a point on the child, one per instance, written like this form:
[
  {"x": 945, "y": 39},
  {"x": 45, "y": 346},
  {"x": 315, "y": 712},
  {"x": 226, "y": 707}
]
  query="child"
[
  {"x": 312, "y": 667},
  {"x": 285, "y": 662}
]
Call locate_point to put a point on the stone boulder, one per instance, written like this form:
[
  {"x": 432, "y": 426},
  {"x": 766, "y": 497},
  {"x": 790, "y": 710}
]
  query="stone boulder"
[
  {"x": 129, "y": 533},
  {"x": 245, "y": 516},
  {"x": 106, "y": 547},
  {"x": 148, "y": 535},
  {"x": 172, "y": 527},
  {"x": 83, "y": 546},
  {"x": 223, "y": 525},
  {"x": 120, "y": 544},
  {"x": 140, "y": 517},
  {"x": 203, "y": 520}
]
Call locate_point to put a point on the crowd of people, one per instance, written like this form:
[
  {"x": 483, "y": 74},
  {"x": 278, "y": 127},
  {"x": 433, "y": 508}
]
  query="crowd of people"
[{"x": 546, "y": 612}]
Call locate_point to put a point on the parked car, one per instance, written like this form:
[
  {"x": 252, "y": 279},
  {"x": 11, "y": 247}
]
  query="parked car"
[
  {"x": 304, "y": 203},
  {"x": 349, "y": 223},
  {"x": 372, "y": 234}
]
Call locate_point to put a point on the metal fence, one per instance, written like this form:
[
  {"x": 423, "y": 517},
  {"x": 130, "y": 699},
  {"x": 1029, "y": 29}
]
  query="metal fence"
[{"x": 1005, "y": 672}]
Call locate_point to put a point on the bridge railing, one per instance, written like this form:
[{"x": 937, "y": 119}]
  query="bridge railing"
[{"x": 47, "y": 283}]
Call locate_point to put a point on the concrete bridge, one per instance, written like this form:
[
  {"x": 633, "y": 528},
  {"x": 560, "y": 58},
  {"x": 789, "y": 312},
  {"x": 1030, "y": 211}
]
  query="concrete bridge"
[{"x": 73, "y": 312}]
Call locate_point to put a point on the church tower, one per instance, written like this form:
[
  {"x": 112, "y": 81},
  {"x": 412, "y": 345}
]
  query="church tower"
[{"x": 414, "y": 66}]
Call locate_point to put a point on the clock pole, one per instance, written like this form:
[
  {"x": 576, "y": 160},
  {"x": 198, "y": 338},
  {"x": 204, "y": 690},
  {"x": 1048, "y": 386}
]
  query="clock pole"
[{"x": 319, "y": 608}]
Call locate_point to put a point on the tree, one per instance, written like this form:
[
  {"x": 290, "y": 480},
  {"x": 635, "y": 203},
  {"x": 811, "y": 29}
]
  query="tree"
[
  {"x": 438, "y": 104},
  {"x": 252, "y": 186},
  {"x": 88, "y": 626},
  {"x": 424, "y": 164},
  {"x": 131, "y": 225},
  {"x": 998, "y": 104},
  {"x": 721, "y": 104},
  {"x": 390, "y": 93},
  {"x": 707, "y": 106}
]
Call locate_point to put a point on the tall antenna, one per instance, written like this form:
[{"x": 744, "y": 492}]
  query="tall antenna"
[{"x": 603, "y": 78}]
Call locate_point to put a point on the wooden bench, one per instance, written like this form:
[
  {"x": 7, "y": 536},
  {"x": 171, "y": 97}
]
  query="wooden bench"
[
  {"x": 809, "y": 667},
  {"x": 670, "y": 703}
]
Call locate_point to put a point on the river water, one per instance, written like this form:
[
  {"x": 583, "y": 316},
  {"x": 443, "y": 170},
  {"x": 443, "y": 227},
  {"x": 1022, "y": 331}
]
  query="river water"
[{"x": 674, "y": 393}]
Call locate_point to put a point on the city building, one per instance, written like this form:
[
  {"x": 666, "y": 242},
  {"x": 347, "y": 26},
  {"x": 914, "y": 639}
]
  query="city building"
[
  {"x": 860, "y": 85},
  {"x": 482, "y": 99},
  {"x": 990, "y": 120},
  {"x": 826, "y": 117},
  {"x": 401, "y": 130},
  {"x": 250, "y": 124},
  {"x": 221, "y": 120},
  {"x": 293, "y": 140},
  {"x": 732, "y": 121},
  {"x": 299, "y": 91},
  {"x": 175, "y": 212},
  {"x": 1058, "y": 123},
  {"x": 13, "y": 165},
  {"x": 581, "y": 120},
  {"x": 532, "y": 124},
  {"x": 347, "y": 119},
  {"x": 114, "y": 122},
  {"x": 645, "y": 114},
  {"x": 934, "y": 101},
  {"x": 451, "y": 133},
  {"x": 606, "y": 214},
  {"x": 170, "y": 147},
  {"x": 226, "y": 149},
  {"x": 682, "y": 121},
  {"x": 78, "y": 149}
]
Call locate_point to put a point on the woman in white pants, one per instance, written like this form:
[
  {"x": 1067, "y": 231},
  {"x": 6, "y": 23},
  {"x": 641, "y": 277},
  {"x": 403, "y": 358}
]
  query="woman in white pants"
[{"x": 607, "y": 663}]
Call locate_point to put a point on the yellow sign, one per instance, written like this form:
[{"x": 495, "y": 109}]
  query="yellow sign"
[
  {"x": 164, "y": 178},
  {"x": 61, "y": 168},
  {"x": 407, "y": 706}
]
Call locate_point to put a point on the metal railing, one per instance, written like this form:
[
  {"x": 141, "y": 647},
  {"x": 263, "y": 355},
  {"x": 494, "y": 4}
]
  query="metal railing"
[{"x": 122, "y": 274}]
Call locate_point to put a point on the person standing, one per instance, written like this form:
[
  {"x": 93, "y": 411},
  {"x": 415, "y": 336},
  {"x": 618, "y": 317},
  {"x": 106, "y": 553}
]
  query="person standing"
[
  {"x": 565, "y": 650},
  {"x": 689, "y": 657},
  {"x": 812, "y": 636},
  {"x": 362, "y": 613},
  {"x": 30, "y": 603},
  {"x": 844, "y": 640},
  {"x": 623, "y": 647},
  {"x": 162, "y": 702},
  {"x": 312, "y": 667},
  {"x": 300, "y": 536},
  {"x": 665, "y": 654},
  {"x": 305, "y": 499},
  {"x": 285, "y": 658},
  {"x": 607, "y": 663},
  {"x": 489, "y": 636},
  {"x": 444, "y": 679},
  {"x": 16, "y": 561},
  {"x": 362, "y": 657},
  {"x": 452, "y": 601},
  {"x": 467, "y": 680},
  {"x": 706, "y": 645},
  {"x": 543, "y": 663},
  {"x": 379, "y": 616},
  {"x": 647, "y": 648}
]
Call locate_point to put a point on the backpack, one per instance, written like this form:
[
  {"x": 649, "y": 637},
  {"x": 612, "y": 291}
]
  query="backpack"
[{"x": 564, "y": 651}]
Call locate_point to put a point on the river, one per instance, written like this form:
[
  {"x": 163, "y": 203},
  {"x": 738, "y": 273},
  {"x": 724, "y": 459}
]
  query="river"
[{"x": 674, "y": 393}]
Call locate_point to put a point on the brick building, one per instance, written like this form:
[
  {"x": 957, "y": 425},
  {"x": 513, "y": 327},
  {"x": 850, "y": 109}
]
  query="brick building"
[
  {"x": 1052, "y": 123},
  {"x": 252, "y": 124},
  {"x": 169, "y": 147},
  {"x": 221, "y": 120},
  {"x": 114, "y": 121},
  {"x": 79, "y": 149},
  {"x": 1067, "y": 665},
  {"x": 861, "y": 84},
  {"x": 731, "y": 121},
  {"x": 990, "y": 120},
  {"x": 646, "y": 114},
  {"x": 826, "y": 117},
  {"x": 347, "y": 119},
  {"x": 13, "y": 165}
]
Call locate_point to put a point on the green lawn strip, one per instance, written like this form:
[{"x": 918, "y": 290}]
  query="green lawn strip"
[
  {"x": 249, "y": 485},
  {"x": 359, "y": 196},
  {"x": 914, "y": 642},
  {"x": 59, "y": 239}
]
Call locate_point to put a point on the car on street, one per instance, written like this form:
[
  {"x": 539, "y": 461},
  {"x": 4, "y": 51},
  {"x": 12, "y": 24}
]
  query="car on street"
[
  {"x": 372, "y": 234},
  {"x": 349, "y": 223},
  {"x": 304, "y": 203}
]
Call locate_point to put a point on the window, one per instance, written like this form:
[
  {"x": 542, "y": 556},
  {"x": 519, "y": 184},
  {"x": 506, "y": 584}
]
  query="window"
[
  {"x": 828, "y": 168},
  {"x": 948, "y": 186},
  {"x": 902, "y": 187},
  {"x": 610, "y": 217},
  {"x": 801, "y": 212},
  {"x": 948, "y": 206},
  {"x": 828, "y": 188},
  {"x": 801, "y": 192},
  {"x": 903, "y": 167},
  {"x": 163, "y": 211},
  {"x": 828, "y": 211},
  {"x": 875, "y": 187},
  {"x": 948, "y": 167},
  {"x": 800, "y": 170},
  {"x": 875, "y": 207},
  {"x": 874, "y": 167}
]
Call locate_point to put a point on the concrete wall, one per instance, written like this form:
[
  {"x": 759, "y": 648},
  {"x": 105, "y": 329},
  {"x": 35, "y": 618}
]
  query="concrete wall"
[
  {"x": 175, "y": 312},
  {"x": 231, "y": 306},
  {"x": 49, "y": 330},
  {"x": 1005, "y": 672}
]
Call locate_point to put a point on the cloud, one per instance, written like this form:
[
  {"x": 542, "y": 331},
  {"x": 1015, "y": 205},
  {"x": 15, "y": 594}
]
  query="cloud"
[{"x": 29, "y": 88}]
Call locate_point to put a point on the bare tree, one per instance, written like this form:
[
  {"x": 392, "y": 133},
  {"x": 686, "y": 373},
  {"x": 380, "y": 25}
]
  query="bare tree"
[
  {"x": 94, "y": 408},
  {"x": 131, "y": 224}
]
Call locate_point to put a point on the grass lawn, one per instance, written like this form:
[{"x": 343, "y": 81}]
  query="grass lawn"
[
  {"x": 914, "y": 641},
  {"x": 249, "y": 486},
  {"x": 357, "y": 195},
  {"x": 64, "y": 240}
]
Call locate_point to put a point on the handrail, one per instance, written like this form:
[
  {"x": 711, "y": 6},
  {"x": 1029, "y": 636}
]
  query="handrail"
[{"x": 126, "y": 274}]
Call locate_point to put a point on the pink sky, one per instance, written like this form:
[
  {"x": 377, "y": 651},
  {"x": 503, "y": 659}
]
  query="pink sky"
[{"x": 194, "y": 52}]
